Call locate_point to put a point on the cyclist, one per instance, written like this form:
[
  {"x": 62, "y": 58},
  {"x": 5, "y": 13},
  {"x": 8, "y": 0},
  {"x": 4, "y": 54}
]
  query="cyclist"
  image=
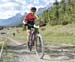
[{"x": 30, "y": 20}]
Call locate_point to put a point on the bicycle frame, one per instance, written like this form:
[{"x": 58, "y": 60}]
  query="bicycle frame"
[
  {"x": 34, "y": 33},
  {"x": 36, "y": 30},
  {"x": 34, "y": 36}
]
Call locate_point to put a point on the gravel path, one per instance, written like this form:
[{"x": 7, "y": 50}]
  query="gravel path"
[{"x": 18, "y": 52}]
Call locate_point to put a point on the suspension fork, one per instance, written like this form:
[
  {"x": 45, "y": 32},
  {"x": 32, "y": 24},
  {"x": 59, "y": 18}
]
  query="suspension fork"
[{"x": 35, "y": 33}]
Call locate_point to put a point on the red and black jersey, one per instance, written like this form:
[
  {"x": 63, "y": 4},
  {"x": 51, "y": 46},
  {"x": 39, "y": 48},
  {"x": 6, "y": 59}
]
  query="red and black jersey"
[{"x": 30, "y": 17}]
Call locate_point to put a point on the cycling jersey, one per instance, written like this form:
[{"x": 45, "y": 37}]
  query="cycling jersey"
[
  {"x": 30, "y": 17},
  {"x": 30, "y": 20}
]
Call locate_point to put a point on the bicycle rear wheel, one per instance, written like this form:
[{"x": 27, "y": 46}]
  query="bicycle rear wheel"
[{"x": 39, "y": 46}]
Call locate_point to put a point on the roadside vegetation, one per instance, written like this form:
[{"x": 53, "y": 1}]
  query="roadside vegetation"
[
  {"x": 51, "y": 34},
  {"x": 62, "y": 13}
]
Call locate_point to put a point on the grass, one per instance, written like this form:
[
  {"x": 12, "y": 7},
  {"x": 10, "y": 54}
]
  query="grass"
[
  {"x": 2, "y": 42},
  {"x": 58, "y": 34}
]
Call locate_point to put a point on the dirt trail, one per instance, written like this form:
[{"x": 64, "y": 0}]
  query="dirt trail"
[{"x": 20, "y": 53}]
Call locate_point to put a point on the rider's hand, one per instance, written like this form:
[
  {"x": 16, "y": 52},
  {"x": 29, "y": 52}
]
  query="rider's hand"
[{"x": 24, "y": 22}]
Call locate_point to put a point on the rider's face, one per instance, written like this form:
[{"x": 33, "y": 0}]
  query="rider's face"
[{"x": 33, "y": 12}]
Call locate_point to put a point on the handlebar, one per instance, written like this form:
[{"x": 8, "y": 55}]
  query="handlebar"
[{"x": 35, "y": 26}]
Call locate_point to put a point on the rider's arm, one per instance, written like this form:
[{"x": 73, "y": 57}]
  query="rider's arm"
[
  {"x": 36, "y": 17},
  {"x": 37, "y": 20},
  {"x": 25, "y": 23},
  {"x": 25, "y": 20}
]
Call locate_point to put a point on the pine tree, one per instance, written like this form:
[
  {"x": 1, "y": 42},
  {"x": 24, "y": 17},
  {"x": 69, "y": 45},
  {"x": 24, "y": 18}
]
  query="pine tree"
[{"x": 61, "y": 13}]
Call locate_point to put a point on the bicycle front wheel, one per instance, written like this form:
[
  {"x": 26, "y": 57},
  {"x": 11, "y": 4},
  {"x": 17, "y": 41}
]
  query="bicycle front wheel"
[{"x": 39, "y": 46}]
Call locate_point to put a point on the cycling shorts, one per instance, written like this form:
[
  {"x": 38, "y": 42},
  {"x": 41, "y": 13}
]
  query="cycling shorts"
[{"x": 30, "y": 24}]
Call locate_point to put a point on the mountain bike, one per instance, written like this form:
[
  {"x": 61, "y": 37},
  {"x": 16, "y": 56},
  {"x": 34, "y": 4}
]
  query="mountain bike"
[{"x": 37, "y": 41}]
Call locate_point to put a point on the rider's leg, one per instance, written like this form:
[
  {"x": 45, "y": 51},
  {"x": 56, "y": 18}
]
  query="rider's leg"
[
  {"x": 28, "y": 35},
  {"x": 28, "y": 38}
]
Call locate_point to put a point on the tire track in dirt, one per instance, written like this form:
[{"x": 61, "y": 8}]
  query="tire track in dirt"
[{"x": 52, "y": 53}]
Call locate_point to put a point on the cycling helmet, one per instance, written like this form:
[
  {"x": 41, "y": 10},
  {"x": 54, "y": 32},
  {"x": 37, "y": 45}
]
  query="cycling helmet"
[{"x": 33, "y": 9}]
